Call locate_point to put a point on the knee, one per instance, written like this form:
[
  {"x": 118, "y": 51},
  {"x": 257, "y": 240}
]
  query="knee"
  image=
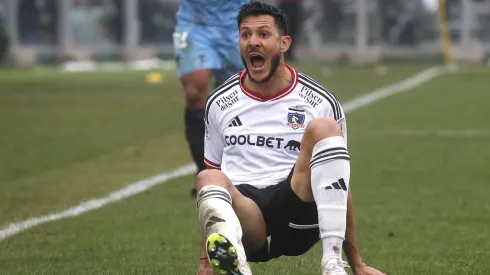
[
  {"x": 195, "y": 94},
  {"x": 321, "y": 128},
  {"x": 212, "y": 176}
]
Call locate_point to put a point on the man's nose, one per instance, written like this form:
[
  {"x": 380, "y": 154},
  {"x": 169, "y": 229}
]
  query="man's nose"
[{"x": 254, "y": 41}]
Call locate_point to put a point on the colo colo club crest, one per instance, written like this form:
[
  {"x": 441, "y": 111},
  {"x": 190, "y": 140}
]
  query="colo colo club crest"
[{"x": 296, "y": 118}]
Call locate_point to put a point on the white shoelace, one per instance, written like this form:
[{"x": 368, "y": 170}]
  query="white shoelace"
[{"x": 336, "y": 264}]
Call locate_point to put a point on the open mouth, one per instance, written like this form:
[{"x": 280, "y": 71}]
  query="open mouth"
[{"x": 256, "y": 60}]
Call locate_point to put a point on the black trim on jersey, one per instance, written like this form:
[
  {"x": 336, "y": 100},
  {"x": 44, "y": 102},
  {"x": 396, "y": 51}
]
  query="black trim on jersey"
[
  {"x": 232, "y": 78},
  {"x": 224, "y": 83},
  {"x": 296, "y": 110},
  {"x": 314, "y": 82},
  {"x": 332, "y": 102},
  {"x": 314, "y": 86},
  {"x": 219, "y": 91}
]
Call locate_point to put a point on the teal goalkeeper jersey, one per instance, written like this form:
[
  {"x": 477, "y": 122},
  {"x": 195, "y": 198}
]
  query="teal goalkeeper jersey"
[{"x": 209, "y": 12}]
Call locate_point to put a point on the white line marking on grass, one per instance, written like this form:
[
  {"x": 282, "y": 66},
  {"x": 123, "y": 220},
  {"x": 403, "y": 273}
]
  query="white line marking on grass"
[
  {"x": 145, "y": 184},
  {"x": 394, "y": 89},
  {"x": 126, "y": 192}
]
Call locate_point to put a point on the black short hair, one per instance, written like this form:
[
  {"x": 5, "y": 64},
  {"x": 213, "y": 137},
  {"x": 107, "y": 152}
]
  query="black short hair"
[{"x": 255, "y": 8}]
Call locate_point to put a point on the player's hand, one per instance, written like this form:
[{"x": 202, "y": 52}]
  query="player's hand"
[
  {"x": 367, "y": 270},
  {"x": 204, "y": 268}
]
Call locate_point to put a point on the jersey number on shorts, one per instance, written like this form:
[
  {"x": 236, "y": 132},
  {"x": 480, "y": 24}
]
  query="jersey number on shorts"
[{"x": 180, "y": 40}]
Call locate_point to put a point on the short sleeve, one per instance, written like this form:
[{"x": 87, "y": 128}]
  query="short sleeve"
[
  {"x": 334, "y": 111},
  {"x": 343, "y": 126},
  {"x": 213, "y": 143}
]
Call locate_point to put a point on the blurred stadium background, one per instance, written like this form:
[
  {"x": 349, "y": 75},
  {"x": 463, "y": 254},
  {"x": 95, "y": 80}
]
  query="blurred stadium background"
[
  {"x": 90, "y": 103},
  {"x": 51, "y": 31}
]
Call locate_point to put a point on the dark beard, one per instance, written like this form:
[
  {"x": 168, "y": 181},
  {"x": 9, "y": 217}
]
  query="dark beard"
[{"x": 274, "y": 65}]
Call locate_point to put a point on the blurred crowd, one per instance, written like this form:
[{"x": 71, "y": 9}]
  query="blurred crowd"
[
  {"x": 93, "y": 22},
  {"x": 101, "y": 22}
]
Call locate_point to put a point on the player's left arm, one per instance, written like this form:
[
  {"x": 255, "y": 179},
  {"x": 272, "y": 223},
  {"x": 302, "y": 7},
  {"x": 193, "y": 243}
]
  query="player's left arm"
[
  {"x": 350, "y": 243},
  {"x": 350, "y": 246}
]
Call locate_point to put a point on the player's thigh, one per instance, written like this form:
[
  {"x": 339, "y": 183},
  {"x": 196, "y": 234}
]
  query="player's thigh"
[
  {"x": 301, "y": 177},
  {"x": 251, "y": 220},
  {"x": 317, "y": 130},
  {"x": 194, "y": 49},
  {"x": 292, "y": 223}
]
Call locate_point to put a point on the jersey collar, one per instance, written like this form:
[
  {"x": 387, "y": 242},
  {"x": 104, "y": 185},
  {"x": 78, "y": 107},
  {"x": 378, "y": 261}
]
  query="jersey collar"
[{"x": 259, "y": 97}]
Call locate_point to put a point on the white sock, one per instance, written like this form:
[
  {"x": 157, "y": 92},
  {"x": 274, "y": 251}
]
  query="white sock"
[
  {"x": 216, "y": 215},
  {"x": 330, "y": 174}
]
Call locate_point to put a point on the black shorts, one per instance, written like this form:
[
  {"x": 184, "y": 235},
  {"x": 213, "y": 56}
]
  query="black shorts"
[{"x": 292, "y": 224}]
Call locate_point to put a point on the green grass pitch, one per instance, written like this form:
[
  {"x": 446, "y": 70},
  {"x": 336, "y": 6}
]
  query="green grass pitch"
[{"x": 420, "y": 173}]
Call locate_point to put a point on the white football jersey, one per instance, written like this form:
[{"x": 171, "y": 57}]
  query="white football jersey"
[{"x": 255, "y": 139}]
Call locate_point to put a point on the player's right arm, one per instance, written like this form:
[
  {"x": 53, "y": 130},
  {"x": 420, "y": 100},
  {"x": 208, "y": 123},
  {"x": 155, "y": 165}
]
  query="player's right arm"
[
  {"x": 204, "y": 267},
  {"x": 213, "y": 140}
]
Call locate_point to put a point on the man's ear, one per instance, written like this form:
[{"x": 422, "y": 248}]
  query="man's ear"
[{"x": 285, "y": 43}]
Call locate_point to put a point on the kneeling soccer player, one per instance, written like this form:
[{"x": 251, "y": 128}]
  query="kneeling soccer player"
[{"x": 279, "y": 139}]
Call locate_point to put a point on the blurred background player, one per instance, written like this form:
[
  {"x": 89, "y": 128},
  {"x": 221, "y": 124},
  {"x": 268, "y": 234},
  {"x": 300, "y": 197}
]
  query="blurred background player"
[
  {"x": 206, "y": 45},
  {"x": 4, "y": 38}
]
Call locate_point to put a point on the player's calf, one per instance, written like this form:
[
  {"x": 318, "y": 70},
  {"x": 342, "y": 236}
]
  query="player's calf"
[
  {"x": 215, "y": 204},
  {"x": 195, "y": 96},
  {"x": 324, "y": 157},
  {"x": 195, "y": 87},
  {"x": 217, "y": 218}
]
